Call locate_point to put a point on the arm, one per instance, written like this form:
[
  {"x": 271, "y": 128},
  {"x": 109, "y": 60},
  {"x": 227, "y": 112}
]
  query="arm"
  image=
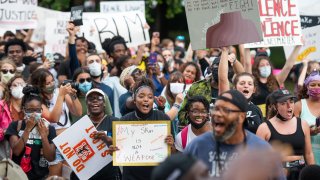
[
  {"x": 237, "y": 67},
  {"x": 242, "y": 54},
  {"x": 173, "y": 112},
  {"x": 288, "y": 65},
  {"x": 297, "y": 109},
  {"x": 74, "y": 104},
  {"x": 308, "y": 154},
  {"x": 222, "y": 71},
  {"x": 140, "y": 51},
  {"x": 189, "y": 54},
  {"x": 247, "y": 61},
  {"x": 263, "y": 132},
  {"x": 28, "y": 36},
  {"x": 303, "y": 73},
  {"x": 74, "y": 62},
  {"x": 48, "y": 149}
]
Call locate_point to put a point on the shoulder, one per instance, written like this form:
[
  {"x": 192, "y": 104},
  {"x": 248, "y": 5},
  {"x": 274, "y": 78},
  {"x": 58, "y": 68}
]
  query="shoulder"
[
  {"x": 200, "y": 142},
  {"x": 256, "y": 142},
  {"x": 111, "y": 118},
  {"x": 161, "y": 115},
  {"x": 128, "y": 117}
]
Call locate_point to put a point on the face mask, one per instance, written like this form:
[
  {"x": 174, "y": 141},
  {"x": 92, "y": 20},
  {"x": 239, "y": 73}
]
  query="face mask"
[
  {"x": 17, "y": 92},
  {"x": 37, "y": 116},
  {"x": 5, "y": 78},
  {"x": 21, "y": 68},
  {"x": 49, "y": 90},
  {"x": 268, "y": 51},
  {"x": 95, "y": 69},
  {"x": 313, "y": 92},
  {"x": 265, "y": 71},
  {"x": 176, "y": 88},
  {"x": 230, "y": 130},
  {"x": 188, "y": 81},
  {"x": 181, "y": 44},
  {"x": 85, "y": 87},
  {"x": 160, "y": 66}
]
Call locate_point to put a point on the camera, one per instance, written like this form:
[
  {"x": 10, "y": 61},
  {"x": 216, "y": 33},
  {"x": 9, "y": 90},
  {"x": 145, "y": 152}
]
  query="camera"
[{"x": 74, "y": 85}]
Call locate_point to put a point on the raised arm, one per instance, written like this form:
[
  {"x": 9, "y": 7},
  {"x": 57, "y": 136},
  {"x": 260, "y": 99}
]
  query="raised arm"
[
  {"x": 303, "y": 73},
  {"x": 74, "y": 62},
  {"x": 247, "y": 61},
  {"x": 223, "y": 71}
]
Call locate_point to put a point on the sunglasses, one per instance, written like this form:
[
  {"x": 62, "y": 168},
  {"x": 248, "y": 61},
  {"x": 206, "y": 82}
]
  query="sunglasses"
[
  {"x": 82, "y": 80},
  {"x": 5, "y": 71}
]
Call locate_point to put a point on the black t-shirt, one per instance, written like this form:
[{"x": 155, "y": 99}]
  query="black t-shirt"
[
  {"x": 141, "y": 172},
  {"x": 261, "y": 95},
  {"x": 64, "y": 69},
  {"x": 38, "y": 163},
  {"x": 254, "y": 118}
]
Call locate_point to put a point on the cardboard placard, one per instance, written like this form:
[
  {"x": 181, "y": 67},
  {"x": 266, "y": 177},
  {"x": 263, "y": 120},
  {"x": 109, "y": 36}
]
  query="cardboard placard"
[
  {"x": 141, "y": 143},
  {"x": 280, "y": 23},
  {"x": 85, "y": 155},
  {"x": 76, "y": 15},
  {"x": 309, "y": 21},
  {"x": 215, "y": 23},
  {"x": 122, "y": 6}
]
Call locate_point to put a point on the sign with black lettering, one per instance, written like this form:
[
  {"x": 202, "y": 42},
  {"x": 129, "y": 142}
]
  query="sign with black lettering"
[
  {"x": 309, "y": 21},
  {"x": 76, "y": 15},
  {"x": 18, "y": 14},
  {"x": 122, "y": 6},
  {"x": 140, "y": 143}
]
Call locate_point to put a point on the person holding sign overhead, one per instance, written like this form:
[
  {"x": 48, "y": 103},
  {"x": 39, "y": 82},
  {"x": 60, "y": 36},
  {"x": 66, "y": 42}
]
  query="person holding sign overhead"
[{"x": 143, "y": 99}]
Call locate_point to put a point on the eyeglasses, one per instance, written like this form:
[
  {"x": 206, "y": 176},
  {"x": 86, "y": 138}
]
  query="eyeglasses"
[
  {"x": 14, "y": 51},
  {"x": 5, "y": 71},
  {"x": 199, "y": 113},
  {"x": 82, "y": 80},
  {"x": 37, "y": 110},
  {"x": 92, "y": 98},
  {"x": 225, "y": 110}
]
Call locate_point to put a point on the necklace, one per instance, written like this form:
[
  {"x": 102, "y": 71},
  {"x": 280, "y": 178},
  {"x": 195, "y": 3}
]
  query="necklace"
[{"x": 98, "y": 123}]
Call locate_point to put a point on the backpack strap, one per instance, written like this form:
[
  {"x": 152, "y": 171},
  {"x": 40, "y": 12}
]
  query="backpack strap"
[{"x": 184, "y": 135}]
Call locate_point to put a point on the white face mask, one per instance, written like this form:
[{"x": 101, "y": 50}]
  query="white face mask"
[
  {"x": 265, "y": 71},
  {"x": 16, "y": 92},
  {"x": 160, "y": 66},
  {"x": 95, "y": 69},
  {"x": 176, "y": 88}
]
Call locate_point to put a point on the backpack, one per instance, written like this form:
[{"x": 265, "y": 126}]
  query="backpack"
[{"x": 184, "y": 136}]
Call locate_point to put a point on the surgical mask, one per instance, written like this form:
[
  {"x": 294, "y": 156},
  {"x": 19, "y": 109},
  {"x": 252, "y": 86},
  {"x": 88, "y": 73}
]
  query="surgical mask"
[
  {"x": 176, "y": 88},
  {"x": 95, "y": 69},
  {"x": 160, "y": 66},
  {"x": 268, "y": 51},
  {"x": 265, "y": 71},
  {"x": 85, "y": 87},
  {"x": 20, "y": 68},
  {"x": 37, "y": 116},
  {"x": 5, "y": 78},
  {"x": 313, "y": 92},
  {"x": 49, "y": 90},
  {"x": 16, "y": 92}
]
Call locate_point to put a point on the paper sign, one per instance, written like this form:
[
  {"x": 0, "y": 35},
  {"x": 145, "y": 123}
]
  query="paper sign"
[
  {"x": 141, "y": 143},
  {"x": 311, "y": 48},
  {"x": 122, "y": 6},
  {"x": 85, "y": 155},
  {"x": 76, "y": 15},
  {"x": 18, "y": 14},
  {"x": 216, "y": 23},
  {"x": 309, "y": 21},
  {"x": 280, "y": 23}
]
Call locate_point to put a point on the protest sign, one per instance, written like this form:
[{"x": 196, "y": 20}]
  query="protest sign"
[
  {"x": 122, "y": 6},
  {"x": 140, "y": 143},
  {"x": 215, "y": 23},
  {"x": 311, "y": 48},
  {"x": 85, "y": 155},
  {"x": 18, "y": 14},
  {"x": 76, "y": 15},
  {"x": 280, "y": 23},
  {"x": 131, "y": 26},
  {"x": 309, "y": 21},
  {"x": 56, "y": 36}
]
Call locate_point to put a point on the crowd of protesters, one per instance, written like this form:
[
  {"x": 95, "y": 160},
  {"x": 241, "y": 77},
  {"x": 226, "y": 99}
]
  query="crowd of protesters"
[{"x": 231, "y": 116}]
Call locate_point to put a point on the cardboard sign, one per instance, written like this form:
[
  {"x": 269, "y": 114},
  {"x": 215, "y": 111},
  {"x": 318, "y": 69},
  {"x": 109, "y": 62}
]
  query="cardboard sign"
[
  {"x": 131, "y": 26},
  {"x": 141, "y": 143},
  {"x": 85, "y": 155},
  {"x": 215, "y": 23},
  {"x": 280, "y": 23},
  {"x": 18, "y": 14},
  {"x": 309, "y": 21},
  {"x": 122, "y": 6},
  {"x": 76, "y": 15},
  {"x": 311, "y": 48}
]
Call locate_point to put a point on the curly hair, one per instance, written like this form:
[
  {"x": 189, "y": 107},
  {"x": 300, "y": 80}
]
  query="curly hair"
[
  {"x": 14, "y": 42},
  {"x": 174, "y": 77},
  {"x": 141, "y": 83},
  {"x": 7, "y": 90},
  {"x": 30, "y": 93},
  {"x": 198, "y": 71},
  {"x": 195, "y": 99},
  {"x": 272, "y": 82},
  {"x": 109, "y": 43}
]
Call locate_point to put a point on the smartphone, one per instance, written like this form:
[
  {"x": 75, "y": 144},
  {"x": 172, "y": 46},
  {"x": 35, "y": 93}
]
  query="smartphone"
[{"x": 152, "y": 59}]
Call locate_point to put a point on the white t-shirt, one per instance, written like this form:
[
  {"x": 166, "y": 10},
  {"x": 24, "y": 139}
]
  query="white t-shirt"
[
  {"x": 64, "y": 113},
  {"x": 190, "y": 137}
]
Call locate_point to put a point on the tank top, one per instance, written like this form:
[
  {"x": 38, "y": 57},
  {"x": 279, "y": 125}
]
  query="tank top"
[
  {"x": 306, "y": 114},
  {"x": 296, "y": 140}
]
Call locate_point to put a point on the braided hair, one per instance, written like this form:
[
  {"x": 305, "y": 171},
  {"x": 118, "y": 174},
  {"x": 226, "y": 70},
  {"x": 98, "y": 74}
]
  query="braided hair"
[
  {"x": 30, "y": 93},
  {"x": 143, "y": 82}
]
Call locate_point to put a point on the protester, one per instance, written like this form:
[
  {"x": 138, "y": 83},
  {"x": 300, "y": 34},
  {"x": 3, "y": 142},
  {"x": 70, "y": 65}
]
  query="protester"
[
  {"x": 8, "y": 70},
  {"x": 308, "y": 67},
  {"x": 287, "y": 129},
  {"x": 191, "y": 72},
  {"x": 31, "y": 138}
]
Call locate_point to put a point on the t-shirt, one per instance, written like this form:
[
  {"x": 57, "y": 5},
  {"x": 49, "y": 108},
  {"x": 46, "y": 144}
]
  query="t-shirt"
[
  {"x": 178, "y": 139},
  {"x": 259, "y": 98},
  {"x": 204, "y": 147},
  {"x": 122, "y": 103},
  {"x": 141, "y": 172},
  {"x": 254, "y": 118},
  {"x": 38, "y": 163},
  {"x": 64, "y": 69}
]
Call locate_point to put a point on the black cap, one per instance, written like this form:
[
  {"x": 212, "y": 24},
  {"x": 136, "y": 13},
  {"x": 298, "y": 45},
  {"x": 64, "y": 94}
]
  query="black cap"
[
  {"x": 237, "y": 99},
  {"x": 281, "y": 95}
]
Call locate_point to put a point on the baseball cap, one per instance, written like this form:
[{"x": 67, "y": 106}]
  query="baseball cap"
[
  {"x": 281, "y": 95},
  {"x": 237, "y": 99},
  {"x": 97, "y": 91},
  {"x": 180, "y": 38}
]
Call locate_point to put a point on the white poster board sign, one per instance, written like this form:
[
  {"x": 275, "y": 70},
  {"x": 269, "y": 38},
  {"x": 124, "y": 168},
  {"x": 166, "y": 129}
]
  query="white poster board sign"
[
  {"x": 140, "y": 143},
  {"x": 122, "y": 6},
  {"x": 18, "y": 14},
  {"x": 280, "y": 23},
  {"x": 85, "y": 155},
  {"x": 311, "y": 48}
]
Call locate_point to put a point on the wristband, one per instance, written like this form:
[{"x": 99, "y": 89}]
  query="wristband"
[{"x": 176, "y": 106}]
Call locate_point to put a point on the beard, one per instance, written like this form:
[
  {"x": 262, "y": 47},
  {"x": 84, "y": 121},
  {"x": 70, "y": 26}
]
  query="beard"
[{"x": 230, "y": 130}]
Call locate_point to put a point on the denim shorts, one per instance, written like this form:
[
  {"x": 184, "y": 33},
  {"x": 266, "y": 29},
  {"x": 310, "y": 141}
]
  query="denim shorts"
[{"x": 59, "y": 158}]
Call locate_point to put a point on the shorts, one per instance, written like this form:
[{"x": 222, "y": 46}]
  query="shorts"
[{"x": 59, "y": 158}]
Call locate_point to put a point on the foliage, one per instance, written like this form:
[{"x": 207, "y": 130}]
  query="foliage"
[
  {"x": 60, "y": 5},
  {"x": 172, "y": 7}
]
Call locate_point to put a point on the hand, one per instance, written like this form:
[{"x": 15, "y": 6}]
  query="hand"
[
  {"x": 157, "y": 69},
  {"x": 113, "y": 149},
  {"x": 66, "y": 89},
  {"x": 169, "y": 140},
  {"x": 72, "y": 29},
  {"x": 30, "y": 122},
  {"x": 224, "y": 49},
  {"x": 160, "y": 101},
  {"x": 102, "y": 135},
  {"x": 43, "y": 130},
  {"x": 46, "y": 64},
  {"x": 201, "y": 54},
  {"x": 305, "y": 62},
  {"x": 179, "y": 98},
  {"x": 314, "y": 130},
  {"x": 128, "y": 82},
  {"x": 232, "y": 58}
]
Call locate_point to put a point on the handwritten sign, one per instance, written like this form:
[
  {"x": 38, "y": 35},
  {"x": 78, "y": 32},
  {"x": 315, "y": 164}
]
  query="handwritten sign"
[
  {"x": 85, "y": 155},
  {"x": 76, "y": 15},
  {"x": 280, "y": 23},
  {"x": 311, "y": 48},
  {"x": 309, "y": 21},
  {"x": 122, "y": 6},
  {"x": 216, "y": 23},
  {"x": 141, "y": 143},
  {"x": 18, "y": 14}
]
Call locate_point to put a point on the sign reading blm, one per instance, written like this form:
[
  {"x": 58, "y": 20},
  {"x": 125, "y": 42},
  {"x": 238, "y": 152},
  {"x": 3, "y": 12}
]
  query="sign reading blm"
[{"x": 140, "y": 143}]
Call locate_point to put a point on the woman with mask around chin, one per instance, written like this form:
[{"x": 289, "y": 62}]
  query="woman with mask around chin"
[
  {"x": 307, "y": 108},
  {"x": 8, "y": 69},
  {"x": 84, "y": 83},
  {"x": 197, "y": 108},
  {"x": 288, "y": 130}
]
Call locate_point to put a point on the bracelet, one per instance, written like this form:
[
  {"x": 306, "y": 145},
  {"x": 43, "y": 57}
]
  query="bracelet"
[
  {"x": 176, "y": 106},
  {"x": 73, "y": 97},
  {"x": 161, "y": 76}
]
